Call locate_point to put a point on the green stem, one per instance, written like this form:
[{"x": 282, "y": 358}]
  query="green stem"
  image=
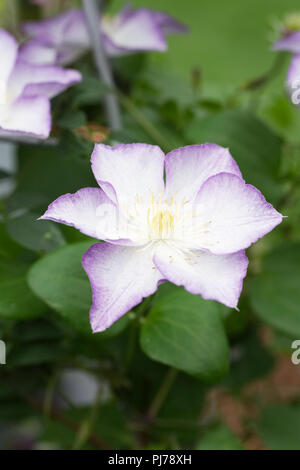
[
  {"x": 59, "y": 417},
  {"x": 132, "y": 339},
  {"x": 49, "y": 393},
  {"x": 263, "y": 80},
  {"x": 148, "y": 127},
  {"x": 162, "y": 393},
  {"x": 144, "y": 307},
  {"x": 86, "y": 427},
  {"x": 268, "y": 76}
]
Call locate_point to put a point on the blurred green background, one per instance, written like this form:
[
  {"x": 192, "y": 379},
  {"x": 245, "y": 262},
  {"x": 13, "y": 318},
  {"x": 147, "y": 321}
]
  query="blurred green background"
[{"x": 229, "y": 40}]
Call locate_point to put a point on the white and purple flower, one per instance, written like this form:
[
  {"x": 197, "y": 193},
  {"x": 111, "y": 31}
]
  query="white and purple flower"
[
  {"x": 138, "y": 31},
  {"x": 191, "y": 229},
  {"x": 25, "y": 90},
  {"x": 289, "y": 30},
  {"x": 58, "y": 40},
  {"x": 290, "y": 42},
  {"x": 64, "y": 38}
]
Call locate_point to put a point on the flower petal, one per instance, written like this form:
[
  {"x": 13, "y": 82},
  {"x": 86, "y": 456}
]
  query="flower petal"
[
  {"x": 235, "y": 214},
  {"x": 76, "y": 31},
  {"x": 52, "y": 31},
  {"x": 28, "y": 115},
  {"x": 35, "y": 52},
  {"x": 120, "y": 277},
  {"x": 30, "y": 79},
  {"x": 289, "y": 43},
  {"x": 293, "y": 76},
  {"x": 89, "y": 210},
  {"x": 188, "y": 167},
  {"x": 168, "y": 24},
  {"x": 66, "y": 34},
  {"x": 215, "y": 277},
  {"x": 127, "y": 171},
  {"x": 8, "y": 54},
  {"x": 134, "y": 31}
]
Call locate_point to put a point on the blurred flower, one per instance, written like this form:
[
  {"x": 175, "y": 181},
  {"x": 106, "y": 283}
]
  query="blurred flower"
[
  {"x": 289, "y": 30},
  {"x": 138, "y": 30},
  {"x": 191, "y": 230},
  {"x": 290, "y": 41},
  {"x": 58, "y": 40},
  {"x": 25, "y": 91},
  {"x": 293, "y": 79},
  {"x": 63, "y": 38}
]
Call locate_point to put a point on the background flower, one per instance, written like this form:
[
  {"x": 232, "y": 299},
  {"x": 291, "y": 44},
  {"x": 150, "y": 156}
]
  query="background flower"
[
  {"x": 290, "y": 43},
  {"x": 25, "y": 91},
  {"x": 57, "y": 40},
  {"x": 62, "y": 39}
]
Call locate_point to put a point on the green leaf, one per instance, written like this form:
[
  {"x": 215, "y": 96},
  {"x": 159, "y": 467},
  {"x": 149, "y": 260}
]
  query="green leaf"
[
  {"x": 110, "y": 426},
  {"x": 253, "y": 362},
  {"x": 72, "y": 119},
  {"x": 90, "y": 91},
  {"x": 219, "y": 438},
  {"x": 275, "y": 293},
  {"x": 24, "y": 201},
  {"x": 186, "y": 332},
  {"x": 16, "y": 299},
  {"x": 59, "y": 279},
  {"x": 53, "y": 171},
  {"x": 279, "y": 427},
  {"x": 182, "y": 416},
  {"x": 254, "y": 146},
  {"x": 38, "y": 330},
  {"x": 36, "y": 235},
  {"x": 30, "y": 354},
  {"x": 8, "y": 248},
  {"x": 283, "y": 116},
  {"x": 13, "y": 410}
]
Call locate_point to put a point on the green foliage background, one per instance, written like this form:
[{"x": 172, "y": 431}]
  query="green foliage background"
[{"x": 177, "y": 371}]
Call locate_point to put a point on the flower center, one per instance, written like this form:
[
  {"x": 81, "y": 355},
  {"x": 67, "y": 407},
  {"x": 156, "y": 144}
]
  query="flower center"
[
  {"x": 164, "y": 218},
  {"x": 158, "y": 219},
  {"x": 161, "y": 221},
  {"x": 108, "y": 24},
  {"x": 292, "y": 22}
]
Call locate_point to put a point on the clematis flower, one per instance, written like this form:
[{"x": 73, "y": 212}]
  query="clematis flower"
[
  {"x": 138, "y": 30},
  {"x": 191, "y": 230},
  {"x": 293, "y": 79},
  {"x": 64, "y": 38},
  {"x": 58, "y": 40},
  {"x": 25, "y": 91},
  {"x": 290, "y": 32},
  {"x": 290, "y": 42}
]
